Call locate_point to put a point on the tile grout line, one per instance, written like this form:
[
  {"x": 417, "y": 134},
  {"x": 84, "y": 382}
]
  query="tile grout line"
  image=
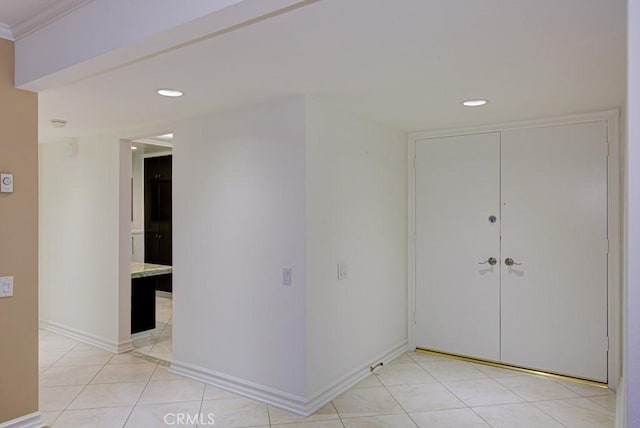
[
  {"x": 204, "y": 391},
  {"x": 393, "y": 396},
  {"x": 147, "y": 385},
  {"x": 133, "y": 408},
  {"x": 268, "y": 415},
  {"x": 81, "y": 390},
  {"x": 551, "y": 416},
  {"x": 337, "y": 413}
]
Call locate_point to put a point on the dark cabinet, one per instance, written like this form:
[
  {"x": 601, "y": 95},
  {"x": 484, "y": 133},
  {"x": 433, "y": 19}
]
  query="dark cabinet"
[
  {"x": 157, "y": 216},
  {"x": 143, "y": 303}
]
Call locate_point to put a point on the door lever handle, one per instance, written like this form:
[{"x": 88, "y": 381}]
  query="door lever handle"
[
  {"x": 491, "y": 260},
  {"x": 509, "y": 262}
]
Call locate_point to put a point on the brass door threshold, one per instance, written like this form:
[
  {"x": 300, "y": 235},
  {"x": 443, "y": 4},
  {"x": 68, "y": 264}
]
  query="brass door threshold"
[{"x": 514, "y": 368}]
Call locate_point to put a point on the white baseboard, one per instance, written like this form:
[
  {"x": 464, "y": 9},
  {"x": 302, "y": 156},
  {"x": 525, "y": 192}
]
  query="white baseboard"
[
  {"x": 88, "y": 338},
  {"x": 319, "y": 399},
  {"x": 283, "y": 400},
  {"x": 32, "y": 420},
  {"x": 264, "y": 394},
  {"x": 620, "y": 416}
]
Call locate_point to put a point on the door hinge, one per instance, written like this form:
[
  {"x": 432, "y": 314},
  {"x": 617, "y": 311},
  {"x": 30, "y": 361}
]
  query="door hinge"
[
  {"x": 606, "y": 343},
  {"x": 414, "y": 162},
  {"x": 414, "y": 240},
  {"x": 606, "y": 246},
  {"x": 414, "y": 317}
]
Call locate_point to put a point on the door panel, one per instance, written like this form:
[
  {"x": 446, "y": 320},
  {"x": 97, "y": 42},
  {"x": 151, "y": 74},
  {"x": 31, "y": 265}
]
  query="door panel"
[
  {"x": 554, "y": 222},
  {"x": 457, "y": 299}
]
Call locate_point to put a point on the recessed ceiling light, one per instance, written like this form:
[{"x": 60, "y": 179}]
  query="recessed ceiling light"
[
  {"x": 165, "y": 136},
  {"x": 169, "y": 92},
  {"x": 134, "y": 148},
  {"x": 474, "y": 103}
]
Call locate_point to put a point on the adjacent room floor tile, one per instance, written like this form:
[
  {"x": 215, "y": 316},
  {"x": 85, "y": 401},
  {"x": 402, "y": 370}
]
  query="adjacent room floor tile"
[
  {"x": 215, "y": 393},
  {"x": 423, "y": 357},
  {"x": 585, "y": 390},
  {"x": 160, "y": 415},
  {"x": 535, "y": 388},
  {"x": 108, "y": 395},
  {"x": 171, "y": 391},
  {"x": 403, "y": 374},
  {"x": 47, "y": 359},
  {"x": 606, "y": 401},
  {"x": 120, "y": 373},
  {"x": 425, "y": 397},
  {"x": 313, "y": 424},
  {"x": 95, "y": 418},
  {"x": 366, "y": 402},
  {"x": 368, "y": 382},
  {"x": 456, "y": 418},
  {"x": 162, "y": 373},
  {"x": 577, "y": 413},
  {"x": 494, "y": 372},
  {"x": 127, "y": 358},
  {"x": 69, "y": 375},
  {"x": 49, "y": 417},
  {"x": 386, "y": 421},
  {"x": 57, "y": 397},
  {"x": 84, "y": 358},
  {"x": 237, "y": 412},
  {"x": 482, "y": 392},
  {"x": 278, "y": 416},
  {"x": 521, "y": 415},
  {"x": 446, "y": 371},
  {"x": 402, "y": 359}
]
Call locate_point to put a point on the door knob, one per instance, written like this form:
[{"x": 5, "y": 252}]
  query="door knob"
[
  {"x": 509, "y": 262},
  {"x": 491, "y": 260}
]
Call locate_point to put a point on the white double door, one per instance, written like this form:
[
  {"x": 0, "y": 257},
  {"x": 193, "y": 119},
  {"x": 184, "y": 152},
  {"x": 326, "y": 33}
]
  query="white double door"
[{"x": 537, "y": 196}]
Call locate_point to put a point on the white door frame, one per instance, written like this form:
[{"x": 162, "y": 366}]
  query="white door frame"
[{"x": 615, "y": 224}]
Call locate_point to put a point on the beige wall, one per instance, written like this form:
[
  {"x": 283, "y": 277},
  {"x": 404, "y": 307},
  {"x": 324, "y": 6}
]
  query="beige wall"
[{"x": 18, "y": 244}]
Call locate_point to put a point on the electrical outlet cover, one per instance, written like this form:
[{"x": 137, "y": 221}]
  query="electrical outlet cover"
[{"x": 6, "y": 286}]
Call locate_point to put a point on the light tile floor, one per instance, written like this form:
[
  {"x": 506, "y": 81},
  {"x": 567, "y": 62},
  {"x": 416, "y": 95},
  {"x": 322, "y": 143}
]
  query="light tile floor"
[
  {"x": 82, "y": 386},
  {"x": 158, "y": 342}
]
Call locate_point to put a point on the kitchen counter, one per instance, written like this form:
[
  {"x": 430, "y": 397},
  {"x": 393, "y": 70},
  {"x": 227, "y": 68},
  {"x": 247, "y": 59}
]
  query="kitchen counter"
[
  {"x": 143, "y": 270},
  {"x": 144, "y": 282}
]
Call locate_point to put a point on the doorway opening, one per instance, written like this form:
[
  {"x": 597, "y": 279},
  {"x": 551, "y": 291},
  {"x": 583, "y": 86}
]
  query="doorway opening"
[{"x": 151, "y": 246}]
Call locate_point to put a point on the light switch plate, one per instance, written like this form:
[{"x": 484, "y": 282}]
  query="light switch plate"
[
  {"x": 6, "y": 286},
  {"x": 6, "y": 182}
]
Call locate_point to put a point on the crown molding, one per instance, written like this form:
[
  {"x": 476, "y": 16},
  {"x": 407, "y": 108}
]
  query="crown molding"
[
  {"x": 5, "y": 31},
  {"x": 45, "y": 17}
]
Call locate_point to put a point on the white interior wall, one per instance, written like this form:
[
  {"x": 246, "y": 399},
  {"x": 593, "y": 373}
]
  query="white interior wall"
[
  {"x": 238, "y": 219},
  {"x": 356, "y": 211},
  {"x": 632, "y": 313},
  {"x": 79, "y": 239},
  {"x": 137, "y": 224},
  {"x": 124, "y": 246}
]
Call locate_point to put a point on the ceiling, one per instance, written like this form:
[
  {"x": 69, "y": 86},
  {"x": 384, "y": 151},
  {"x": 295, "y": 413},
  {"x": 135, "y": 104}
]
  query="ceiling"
[
  {"x": 19, "y": 17},
  {"x": 406, "y": 63},
  {"x": 14, "y": 12}
]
